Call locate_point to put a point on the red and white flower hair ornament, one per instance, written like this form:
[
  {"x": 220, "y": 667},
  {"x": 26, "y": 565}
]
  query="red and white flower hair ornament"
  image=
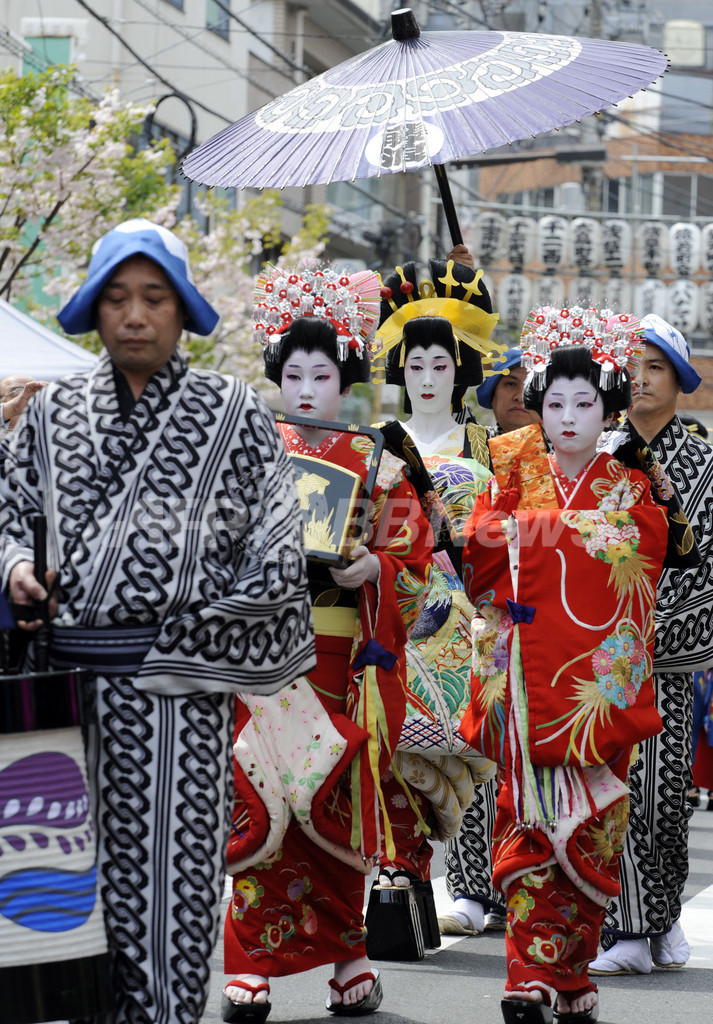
[
  {"x": 349, "y": 301},
  {"x": 615, "y": 340}
]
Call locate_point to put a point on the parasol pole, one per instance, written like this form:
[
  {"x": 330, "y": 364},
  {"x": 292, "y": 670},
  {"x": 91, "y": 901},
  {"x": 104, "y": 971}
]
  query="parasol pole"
[
  {"x": 39, "y": 530},
  {"x": 449, "y": 209},
  {"x": 404, "y": 29}
]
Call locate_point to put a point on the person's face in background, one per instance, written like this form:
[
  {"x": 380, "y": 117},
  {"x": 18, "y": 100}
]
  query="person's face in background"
[
  {"x": 429, "y": 374},
  {"x": 508, "y": 410},
  {"x": 15, "y": 392},
  {"x": 656, "y": 386}
]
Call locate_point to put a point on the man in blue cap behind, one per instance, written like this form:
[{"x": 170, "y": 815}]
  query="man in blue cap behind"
[
  {"x": 174, "y": 529},
  {"x": 502, "y": 392},
  {"x": 642, "y": 927}
]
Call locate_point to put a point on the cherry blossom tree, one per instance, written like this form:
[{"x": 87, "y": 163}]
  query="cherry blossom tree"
[
  {"x": 70, "y": 170},
  {"x": 225, "y": 259}
]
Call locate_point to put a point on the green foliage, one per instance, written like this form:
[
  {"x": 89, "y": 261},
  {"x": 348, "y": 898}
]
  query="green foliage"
[
  {"x": 67, "y": 173},
  {"x": 70, "y": 170}
]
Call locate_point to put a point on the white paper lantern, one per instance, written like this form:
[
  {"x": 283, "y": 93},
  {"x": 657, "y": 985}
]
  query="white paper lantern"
[
  {"x": 549, "y": 291},
  {"x": 707, "y": 248},
  {"x": 617, "y": 295},
  {"x": 520, "y": 244},
  {"x": 652, "y": 247},
  {"x": 651, "y": 296},
  {"x": 585, "y": 235},
  {"x": 616, "y": 244},
  {"x": 583, "y": 291},
  {"x": 489, "y": 232},
  {"x": 685, "y": 249},
  {"x": 514, "y": 299},
  {"x": 487, "y": 280},
  {"x": 552, "y": 241},
  {"x": 683, "y": 305},
  {"x": 705, "y": 308}
]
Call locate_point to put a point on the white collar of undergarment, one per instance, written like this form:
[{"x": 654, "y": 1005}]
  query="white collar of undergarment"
[{"x": 448, "y": 439}]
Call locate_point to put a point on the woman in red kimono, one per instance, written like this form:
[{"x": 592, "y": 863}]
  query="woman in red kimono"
[
  {"x": 311, "y": 812},
  {"x": 562, "y": 557}
]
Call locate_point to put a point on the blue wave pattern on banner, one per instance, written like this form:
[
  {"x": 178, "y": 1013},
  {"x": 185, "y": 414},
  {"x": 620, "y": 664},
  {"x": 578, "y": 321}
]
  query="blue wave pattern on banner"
[{"x": 48, "y": 901}]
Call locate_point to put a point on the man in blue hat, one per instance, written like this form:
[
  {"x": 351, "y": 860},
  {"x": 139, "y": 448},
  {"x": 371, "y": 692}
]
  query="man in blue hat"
[
  {"x": 502, "y": 392},
  {"x": 642, "y": 926},
  {"x": 174, "y": 528}
]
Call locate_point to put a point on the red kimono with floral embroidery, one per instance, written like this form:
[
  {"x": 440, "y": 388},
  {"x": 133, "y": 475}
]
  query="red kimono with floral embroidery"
[
  {"x": 564, "y": 589},
  {"x": 311, "y": 809}
]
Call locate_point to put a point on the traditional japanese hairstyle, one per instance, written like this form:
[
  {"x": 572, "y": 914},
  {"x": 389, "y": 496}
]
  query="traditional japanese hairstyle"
[
  {"x": 316, "y": 308},
  {"x": 451, "y": 308},
  {"x": 601, "y": 346}
]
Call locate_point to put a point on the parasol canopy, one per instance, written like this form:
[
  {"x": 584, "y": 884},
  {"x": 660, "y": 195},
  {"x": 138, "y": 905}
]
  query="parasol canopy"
[{"x": 422, "y": 99}]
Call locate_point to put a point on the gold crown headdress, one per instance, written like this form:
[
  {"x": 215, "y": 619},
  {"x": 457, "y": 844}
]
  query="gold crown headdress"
[
  {"x": 615, "y": 340},
  {"x": 348, "y": 301},
  {"x": 454, "y": 292}
]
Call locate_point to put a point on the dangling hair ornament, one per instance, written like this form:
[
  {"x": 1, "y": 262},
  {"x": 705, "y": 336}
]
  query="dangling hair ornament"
[
  {"x": 349, "y": 301},
  {"x": 615, "y": 340}
]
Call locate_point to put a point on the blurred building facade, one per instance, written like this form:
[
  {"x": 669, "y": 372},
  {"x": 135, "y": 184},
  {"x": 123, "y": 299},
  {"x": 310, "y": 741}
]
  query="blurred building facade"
[
  {"x": 615, "y": 210},
  {"x": 206, "y": 63}
]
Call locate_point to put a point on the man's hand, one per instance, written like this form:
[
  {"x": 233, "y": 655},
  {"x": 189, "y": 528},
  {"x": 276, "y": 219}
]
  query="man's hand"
[
  {"x": 12, "y": 407},
  {"x": 25, "y": 589},
  {"x": 364, "y": 569},
  {"x": 461, "y": 254}
]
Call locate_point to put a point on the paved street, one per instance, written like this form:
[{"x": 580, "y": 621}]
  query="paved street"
[{"x": 461, "y": 983}]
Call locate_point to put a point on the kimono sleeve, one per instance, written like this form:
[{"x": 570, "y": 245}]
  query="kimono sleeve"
[
  {"x": 402, "y": 540},
  {"x": 20, "y": 491},
  {"x": 257, "y": 636},
  {"x": 684, "y": 615},
  {"x": 486, "y": 565}
]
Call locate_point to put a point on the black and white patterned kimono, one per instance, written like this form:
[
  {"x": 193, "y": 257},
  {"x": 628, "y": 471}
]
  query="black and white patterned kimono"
[
  {"x": 186, "y": 584},
  {"x": 654, "y": 867}
]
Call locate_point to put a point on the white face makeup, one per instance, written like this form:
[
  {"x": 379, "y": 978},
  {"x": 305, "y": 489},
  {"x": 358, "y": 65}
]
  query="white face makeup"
[
  {"x": 429, "y": 374},
  {"x": 573, "y": 418},
  {"x": 310, "y": 385}
]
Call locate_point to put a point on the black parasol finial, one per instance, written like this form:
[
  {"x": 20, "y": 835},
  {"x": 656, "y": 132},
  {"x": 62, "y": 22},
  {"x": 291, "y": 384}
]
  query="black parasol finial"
[{"x": 404, "y": 25}]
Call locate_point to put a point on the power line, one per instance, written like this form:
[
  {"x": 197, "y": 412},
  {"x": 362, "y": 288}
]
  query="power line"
[
  {"x": 273, "y": 49},
  {"x": 40, "y": 63},
  {"x": 157, "y": 74}
]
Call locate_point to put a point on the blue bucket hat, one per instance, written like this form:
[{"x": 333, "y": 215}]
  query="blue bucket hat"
[
  {"x": 137, "y": 237},
  {"x": 675, "y": 347},
  {"x": 485, "y": 390}
]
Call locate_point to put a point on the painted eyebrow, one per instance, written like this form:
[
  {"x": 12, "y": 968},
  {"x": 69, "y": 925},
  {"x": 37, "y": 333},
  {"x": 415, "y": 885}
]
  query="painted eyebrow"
[
  {"x": 316, "y": 366},
  {"x": 577, "y": 394}
]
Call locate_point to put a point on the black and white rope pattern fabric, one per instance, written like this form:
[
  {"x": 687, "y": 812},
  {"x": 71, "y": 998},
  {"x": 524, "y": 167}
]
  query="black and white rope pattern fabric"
[
  {"x": 162, "y": 770},
  {"x": 190, "y": 553},
  {"x": 654, "y": 866},
  {"x": 469, "y": 858},
  {"x": 198, "y": 534},
  {"x": 684, "y": 602}
]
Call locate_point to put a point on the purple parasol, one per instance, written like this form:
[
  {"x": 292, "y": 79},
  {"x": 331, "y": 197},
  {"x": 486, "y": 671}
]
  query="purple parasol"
[{"x": 421, "y": 100}]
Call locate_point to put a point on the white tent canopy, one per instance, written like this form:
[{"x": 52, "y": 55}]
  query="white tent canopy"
[{"x": 28, "y": 347}]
